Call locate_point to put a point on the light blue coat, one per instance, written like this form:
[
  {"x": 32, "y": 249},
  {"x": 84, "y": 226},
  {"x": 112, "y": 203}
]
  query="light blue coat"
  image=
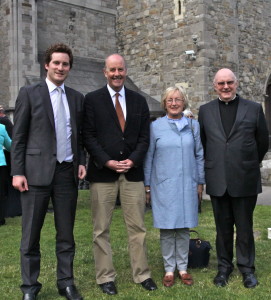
[
  {"x": 174, "y": 166},
  {"x": 5, "y": 141}
]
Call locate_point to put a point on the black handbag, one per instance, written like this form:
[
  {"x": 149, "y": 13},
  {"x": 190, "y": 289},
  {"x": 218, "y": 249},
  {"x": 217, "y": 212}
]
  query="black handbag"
[{"x": 199, "y": 252}]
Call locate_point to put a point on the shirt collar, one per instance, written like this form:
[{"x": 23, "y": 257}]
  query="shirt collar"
[
  {"x": 113, "y": 93},
  {"x": 229, "y": 100},
  {"x": 52, "y": 86}
]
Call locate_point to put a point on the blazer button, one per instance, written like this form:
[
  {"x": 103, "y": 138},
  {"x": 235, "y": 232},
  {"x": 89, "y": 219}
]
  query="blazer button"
[{"x": 121, "y": 152}]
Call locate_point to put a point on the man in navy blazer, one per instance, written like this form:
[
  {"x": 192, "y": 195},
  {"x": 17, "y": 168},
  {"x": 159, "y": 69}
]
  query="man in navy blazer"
[
  {"x": 39, "y": 174},
  {"x": 235, "y": 139},
  {"x": 117, "y": 147}
]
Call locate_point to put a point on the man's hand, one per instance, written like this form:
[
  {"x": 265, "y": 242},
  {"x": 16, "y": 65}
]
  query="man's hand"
[
  {"x": 120, "y": 166},
  {"x": 20, "y": 183},
  {"x": 81, "y": 172},
  {"x": 127, "y": 164}
]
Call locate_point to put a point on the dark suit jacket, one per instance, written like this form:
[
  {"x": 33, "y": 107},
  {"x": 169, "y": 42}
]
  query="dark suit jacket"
[
  {"x": 233, "y": 163},
  {"x": 33, "y": 151},
  {"x": 104, "y": 139}
]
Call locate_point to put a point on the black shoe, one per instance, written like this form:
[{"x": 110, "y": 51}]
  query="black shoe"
[
  {"x": 109, "y": 288},
  {"x": 2, "y": 222},
  {"x": 29, "y": 296},
  {"x": 70, "y": 292},
  {"x": 221, "y": 279},
  {"x": 149, "y": 284},
  {"x": 249, "y": 280}
]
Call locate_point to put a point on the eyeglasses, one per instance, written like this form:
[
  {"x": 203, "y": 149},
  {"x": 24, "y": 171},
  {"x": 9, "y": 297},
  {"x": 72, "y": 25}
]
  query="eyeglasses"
[
  {"x": 177, "y": 100},
  {"x": 222, "y": 83}
]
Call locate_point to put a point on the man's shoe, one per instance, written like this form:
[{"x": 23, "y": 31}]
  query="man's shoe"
[
  {"x": 29, "y": 296},
  {"x": 149, "y": 285},
  {"x": 249, "y": 280},
  {"x": 70, "y": 292},
  {"x": 221, "y": 279},
  {"x": 109, "y": 288}
]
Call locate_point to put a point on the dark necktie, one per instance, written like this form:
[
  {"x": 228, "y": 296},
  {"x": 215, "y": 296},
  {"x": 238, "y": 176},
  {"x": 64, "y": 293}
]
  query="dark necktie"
[
  {"x": 119, "y": 112},
  {"x": 61, "y": 133}
]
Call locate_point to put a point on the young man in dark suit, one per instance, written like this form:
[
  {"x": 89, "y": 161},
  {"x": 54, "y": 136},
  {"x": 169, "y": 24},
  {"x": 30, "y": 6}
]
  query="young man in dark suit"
[
  {"x": 116, "y": 135},
  {"x": 235, "y": 139},
  {"x": 47, "y": 160}
]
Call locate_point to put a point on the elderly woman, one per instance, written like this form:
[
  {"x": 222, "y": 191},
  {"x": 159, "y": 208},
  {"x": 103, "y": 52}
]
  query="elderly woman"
[
  {"x": 5, "y": 142},
  {"x": 174, "y": 175}
]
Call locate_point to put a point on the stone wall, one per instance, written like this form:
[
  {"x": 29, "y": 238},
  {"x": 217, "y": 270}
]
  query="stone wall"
[
  {"x": 88, "y": 30},
  {"x": 153, "y": 36},
  {"x": 28, "y": 27},
  {"x": 4, "y": 50}
]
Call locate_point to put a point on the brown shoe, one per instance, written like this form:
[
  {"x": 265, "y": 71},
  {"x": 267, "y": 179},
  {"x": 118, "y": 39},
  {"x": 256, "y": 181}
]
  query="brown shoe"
[
  {"x": 186, "y": 279},
  {"x": 168, "y": 280}
]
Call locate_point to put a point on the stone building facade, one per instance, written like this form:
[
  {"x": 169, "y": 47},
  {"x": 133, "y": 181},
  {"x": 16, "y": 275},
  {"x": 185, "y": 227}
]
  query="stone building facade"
[
  {"x": 28, "y": 27},
  {"x": 155, "y": 37},
  {"x": 164, "y": 42}
]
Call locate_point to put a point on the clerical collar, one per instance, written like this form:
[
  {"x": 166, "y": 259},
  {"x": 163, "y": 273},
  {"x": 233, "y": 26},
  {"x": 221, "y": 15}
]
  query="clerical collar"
[{"x": 228, "y": 102}]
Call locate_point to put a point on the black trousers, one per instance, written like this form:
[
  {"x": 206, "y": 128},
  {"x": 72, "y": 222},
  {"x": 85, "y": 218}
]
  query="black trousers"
[
  {"x": 238, "y": 211},
  {"x": 63, "y": 192},
  {"x": 3, "y": 190}
]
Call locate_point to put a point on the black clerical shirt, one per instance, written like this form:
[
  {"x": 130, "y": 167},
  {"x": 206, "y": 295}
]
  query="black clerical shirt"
[{"x": 228, "y": 112}]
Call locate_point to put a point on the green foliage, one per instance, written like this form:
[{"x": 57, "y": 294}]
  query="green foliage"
[{"x": 84, "y": 262}]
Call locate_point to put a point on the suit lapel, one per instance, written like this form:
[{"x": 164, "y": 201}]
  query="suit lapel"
[
  {"x": 47, "y": 102},
  {"x": 217, "y": 117},
  {"x": 72, "y": 108},
  {"x": 130, "y": 102},
  {"x": 241, "y": 112}
]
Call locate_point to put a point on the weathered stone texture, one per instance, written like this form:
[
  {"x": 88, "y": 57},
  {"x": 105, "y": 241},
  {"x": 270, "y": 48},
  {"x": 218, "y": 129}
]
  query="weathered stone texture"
[
  {"x": 152, "y": 35},
  {"x": 230, "y": 33},
  {"x": 28, "y": 27},
  {"x": 4, "y": 51},
  {"x": 89, "y": 33}
]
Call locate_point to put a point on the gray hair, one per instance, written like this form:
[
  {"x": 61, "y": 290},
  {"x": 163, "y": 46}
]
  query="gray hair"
[
  {"x": 187, "y": 113},
  {"x": 173, "y": 89}
]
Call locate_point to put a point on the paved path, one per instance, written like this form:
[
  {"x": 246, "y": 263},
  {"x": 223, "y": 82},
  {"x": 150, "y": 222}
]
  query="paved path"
[{"x": 263, "y": 199}]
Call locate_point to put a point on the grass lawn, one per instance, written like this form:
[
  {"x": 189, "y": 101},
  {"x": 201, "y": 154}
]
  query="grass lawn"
[{"x": 127, "y": 290}]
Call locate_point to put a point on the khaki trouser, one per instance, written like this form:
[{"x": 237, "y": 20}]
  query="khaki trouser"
[{"x": 103, "y": 199}]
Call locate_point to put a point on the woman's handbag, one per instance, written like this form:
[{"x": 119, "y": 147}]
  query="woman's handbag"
[{"x": 199, "y": 252}]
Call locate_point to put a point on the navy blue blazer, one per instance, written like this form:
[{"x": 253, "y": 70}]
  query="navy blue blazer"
[{"x": 104, "y": 139}]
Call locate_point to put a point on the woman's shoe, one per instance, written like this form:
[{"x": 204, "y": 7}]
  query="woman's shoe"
[
  {"x": 186, "y": 279},
  {"x": 168, "y": 280}
]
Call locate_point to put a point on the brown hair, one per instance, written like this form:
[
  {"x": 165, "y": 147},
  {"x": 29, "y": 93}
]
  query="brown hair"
[{"x": 62, "y": 48}]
